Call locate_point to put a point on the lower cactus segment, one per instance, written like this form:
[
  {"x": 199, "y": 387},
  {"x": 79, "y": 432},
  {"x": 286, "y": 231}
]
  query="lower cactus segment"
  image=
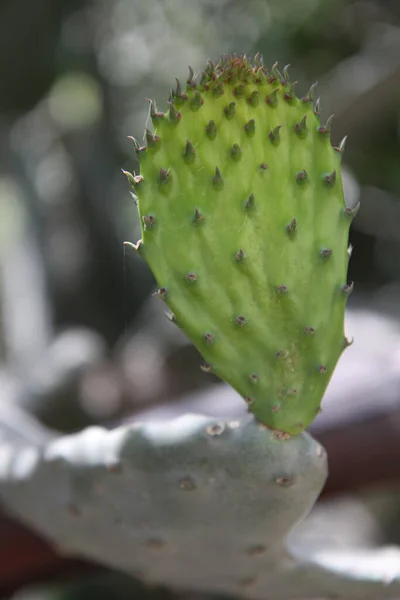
[
  {"x": 245, "y": 228},
  {"x": 191, "y": 503}
]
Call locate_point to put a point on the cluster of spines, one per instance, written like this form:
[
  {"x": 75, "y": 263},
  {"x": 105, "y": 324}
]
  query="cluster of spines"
[
  {"x": 241, "y": 69},
  {"x": 239, "y": 73}
]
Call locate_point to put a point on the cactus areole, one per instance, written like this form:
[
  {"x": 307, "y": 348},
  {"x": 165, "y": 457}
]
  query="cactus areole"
[{"x": 245, "y": 229}]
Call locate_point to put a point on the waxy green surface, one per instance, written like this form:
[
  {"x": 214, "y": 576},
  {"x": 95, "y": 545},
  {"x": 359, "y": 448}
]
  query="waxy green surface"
[{"x": 245, "y": 229}]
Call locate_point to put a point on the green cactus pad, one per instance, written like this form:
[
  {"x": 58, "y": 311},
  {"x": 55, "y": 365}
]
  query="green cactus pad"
[{"x": 245, "y": 229}]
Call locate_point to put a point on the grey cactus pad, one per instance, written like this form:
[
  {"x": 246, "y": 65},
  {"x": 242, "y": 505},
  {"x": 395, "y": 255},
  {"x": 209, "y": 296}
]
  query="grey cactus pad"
[{"x": 192, "y": 503}]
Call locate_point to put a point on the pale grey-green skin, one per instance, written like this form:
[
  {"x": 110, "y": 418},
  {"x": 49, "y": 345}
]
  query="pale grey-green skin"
[{"x": 193, "y": 503}]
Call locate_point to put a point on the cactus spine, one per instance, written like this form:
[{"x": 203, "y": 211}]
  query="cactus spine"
[{"x": 245, "y": 229}]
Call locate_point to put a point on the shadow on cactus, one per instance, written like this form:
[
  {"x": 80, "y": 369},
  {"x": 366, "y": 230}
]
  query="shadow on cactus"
[{"x": 245, "y": 228}]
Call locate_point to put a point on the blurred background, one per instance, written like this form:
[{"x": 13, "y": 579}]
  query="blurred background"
[{"x": 82, "y": 341}]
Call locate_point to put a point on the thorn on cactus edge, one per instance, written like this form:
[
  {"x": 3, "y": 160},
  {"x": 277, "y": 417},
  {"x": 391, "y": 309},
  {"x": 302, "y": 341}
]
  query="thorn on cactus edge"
[
  {"x": 348, "y": 289},
  {"x": 206, "y": 367},
  {"x": 189, "y": 80},
  {"x": 137, "y": 247},
  {"x": 330, "y": 179},
  {"x": 151, "y": 139},
  {"x": 178, "y": 89},
  {"x": 137, "y": 146},
  {"x": 161, "y": 293},
  {"x": 274, "y": 74},
  {"x": 348, "y": 342},
  {"x": 326, "y": 129},
  {"x": 155, "y": 115},
  {"x": 134, "y": 180},
  {"x": 285, "y": 74},
  {"x": 351, "y": 212},
  {"x": 342, "y": 145},
  {"x": 310, "y": 96},
  {"x": 171, "y": 317},
  {"x": 258, "y": 60},
  {"x": 210, "y": 68},
  {"x": 254, "y": 378},
  {"x": 149, "y": 221},
  {"x": 290, "y": 94},
  {"x": 322, "y": 369}
]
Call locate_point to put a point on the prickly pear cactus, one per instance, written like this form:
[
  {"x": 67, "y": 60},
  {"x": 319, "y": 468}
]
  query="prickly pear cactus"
[
  {"x": 190, "y": 503},
  {"x": 245, "y": 228}
]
